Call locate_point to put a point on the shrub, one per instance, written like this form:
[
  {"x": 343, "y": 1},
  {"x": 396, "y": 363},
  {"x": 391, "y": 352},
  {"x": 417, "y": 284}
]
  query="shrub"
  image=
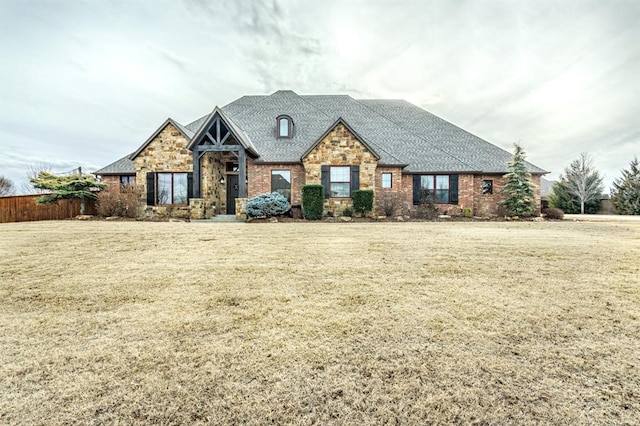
[
  {"x": 347, "y": 212},
  {"x": 362, "y": 200},
  {"x": 273, "y": 204},
  {"x": 389, "y": 204},
  {"x": 114, "y": 202},
  {"x": 312, "y": 201},
  {"x": 553, "y": 213},
  {"x": 426, "y": 208},
  {"x": 468, "y": 212}
]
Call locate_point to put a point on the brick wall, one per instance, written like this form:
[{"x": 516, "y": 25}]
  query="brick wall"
[
  {"x": 489, "y": 204},
  {"x": 389, "y": 196},
  {"x": 113, "y": 182},
  {"x": 259, "y": 176}
]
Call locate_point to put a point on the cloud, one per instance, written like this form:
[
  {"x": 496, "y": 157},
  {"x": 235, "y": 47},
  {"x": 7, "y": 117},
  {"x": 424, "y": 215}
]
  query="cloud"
[{"x": 89, "y": 81}]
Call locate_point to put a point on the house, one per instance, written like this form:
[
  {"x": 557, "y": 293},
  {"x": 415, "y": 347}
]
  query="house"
[{"x": 282, "y": 141}]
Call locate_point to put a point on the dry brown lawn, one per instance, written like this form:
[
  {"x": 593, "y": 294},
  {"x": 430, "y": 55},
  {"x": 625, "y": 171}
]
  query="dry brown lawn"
[{"x": 302, "y": 323}]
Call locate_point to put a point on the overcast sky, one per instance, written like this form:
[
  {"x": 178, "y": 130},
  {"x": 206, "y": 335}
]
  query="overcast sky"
[{"x": 83, "y": 83}]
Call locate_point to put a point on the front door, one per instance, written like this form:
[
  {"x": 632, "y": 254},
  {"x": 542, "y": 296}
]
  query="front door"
[{"x": 232, "y": 193}]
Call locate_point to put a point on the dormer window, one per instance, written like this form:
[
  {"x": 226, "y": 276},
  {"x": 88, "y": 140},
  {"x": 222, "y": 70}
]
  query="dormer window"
[{"x": 284, "y": 126}]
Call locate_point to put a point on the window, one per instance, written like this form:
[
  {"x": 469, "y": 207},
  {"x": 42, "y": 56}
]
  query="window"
[
  {"x": 487, "y": 186},
  {"x": 171, "y": 188},
  {"x": 340, "y": 181},
  {"x": 281, "y": 183},
  {"x": 232, "y": 167},
  {"x": 284, "y": 126},
  {"x": 127, "y": 181},
  {"x": 437, "y": 186},
  {"x": 387, "y": 180}
]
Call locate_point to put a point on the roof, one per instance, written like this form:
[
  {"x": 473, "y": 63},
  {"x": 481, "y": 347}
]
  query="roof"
[
  {"x": 123, "y": 166},
  {"x": 238, "y": 133},
  {"x": 545, "y": 187},
  {"x": 397, "y": 132}
]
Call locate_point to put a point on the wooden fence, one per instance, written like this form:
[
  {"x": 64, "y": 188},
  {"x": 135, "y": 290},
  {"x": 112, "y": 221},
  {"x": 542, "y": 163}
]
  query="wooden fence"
[{"x": 23, "y": 208}]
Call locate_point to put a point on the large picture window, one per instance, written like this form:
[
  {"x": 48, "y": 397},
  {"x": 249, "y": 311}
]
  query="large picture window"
[
  {"x": 171, "y": 188},
  {"x": 437, "y": 186},
  {"x": 281, "y": 183},
  {"x": 340, "y": 181}
]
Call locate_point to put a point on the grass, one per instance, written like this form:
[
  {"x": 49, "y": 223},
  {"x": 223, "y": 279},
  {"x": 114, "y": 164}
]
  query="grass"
[{"x": 302, "y": 323}]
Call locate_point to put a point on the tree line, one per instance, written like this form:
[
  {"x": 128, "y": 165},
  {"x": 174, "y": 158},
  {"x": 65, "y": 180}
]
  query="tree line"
[{"x": 578, "y": 190}]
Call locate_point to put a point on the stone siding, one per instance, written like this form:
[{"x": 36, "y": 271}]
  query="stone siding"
[
  {"x": 213, "y": 166},
  {"x": 167, "y": 152},
  {"x": 340, "y": 148}
]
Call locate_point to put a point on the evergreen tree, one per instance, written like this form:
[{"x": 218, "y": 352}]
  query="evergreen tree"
[
  {"x": 520, "y": 190},
  {"x": 68, "y": 186},
  {"x": 625, "y": 194},
  {"x": 583, "y": 180},
  {"x": 561, "y": 198}
]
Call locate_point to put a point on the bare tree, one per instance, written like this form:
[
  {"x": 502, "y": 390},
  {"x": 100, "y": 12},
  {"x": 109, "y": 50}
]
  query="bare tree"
[
  {"x": 26, "y": 186},
  {"x": 583, "y": 180},
  {"x": 6, "y": 186}
]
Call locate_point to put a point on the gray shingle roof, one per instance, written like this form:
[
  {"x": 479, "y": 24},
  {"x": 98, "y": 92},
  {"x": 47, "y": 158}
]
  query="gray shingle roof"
[
  {"x": 400, "y": 133},
  {"x": 123, "y": 166},
  {"x": 437, "y": 133}
]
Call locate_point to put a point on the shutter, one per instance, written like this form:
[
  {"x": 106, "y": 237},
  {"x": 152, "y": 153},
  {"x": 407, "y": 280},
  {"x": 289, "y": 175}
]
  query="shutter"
[
  {"x": 190, "y": 186},
  {"x": 416, "y": 189},
  {"x": 355, "y": 178},
  {"x": 151, "y": 189},
  {"x": 325, "y": 180},
  {"x": 453, "y": 189}
]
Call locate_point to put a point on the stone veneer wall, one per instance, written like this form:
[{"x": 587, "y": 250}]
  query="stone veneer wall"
[
  {"x": 212, "y": 169},
  {"x": 340, "y": 148},
  {"x": 259, "y": 176},
  {"x": 167, "y": 152}
]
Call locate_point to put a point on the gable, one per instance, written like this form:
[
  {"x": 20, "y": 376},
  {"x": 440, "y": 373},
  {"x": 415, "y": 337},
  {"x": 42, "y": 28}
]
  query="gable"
[
  {"x": 339, "y": 140},
  {"x": 218, "y": 129},
  {"x": 167, "y": 151},
  {"x": 176, "y": 129}
]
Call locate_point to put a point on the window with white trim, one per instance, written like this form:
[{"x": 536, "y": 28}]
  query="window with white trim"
[
  {"x": 340, "y": 181},
  {"x": 387, "y": 180}
]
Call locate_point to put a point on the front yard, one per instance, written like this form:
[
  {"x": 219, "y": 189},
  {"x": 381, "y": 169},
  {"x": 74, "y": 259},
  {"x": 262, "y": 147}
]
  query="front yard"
[{"x": 345, "y": 323}]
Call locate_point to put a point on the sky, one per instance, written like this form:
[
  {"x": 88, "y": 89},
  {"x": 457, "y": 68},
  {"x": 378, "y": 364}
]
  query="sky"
[{"x": 84, "y": 83}]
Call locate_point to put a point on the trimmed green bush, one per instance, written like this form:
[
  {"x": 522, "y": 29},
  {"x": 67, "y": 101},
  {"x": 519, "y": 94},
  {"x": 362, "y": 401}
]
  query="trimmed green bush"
[
  {"x": 268, "y": 205},
  {"x": 362, "y": 200},
  {"x": 312, "y": 201}
]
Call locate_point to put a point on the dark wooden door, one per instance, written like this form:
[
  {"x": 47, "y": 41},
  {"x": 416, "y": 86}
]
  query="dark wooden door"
[{"x": 232, "y": 193}]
